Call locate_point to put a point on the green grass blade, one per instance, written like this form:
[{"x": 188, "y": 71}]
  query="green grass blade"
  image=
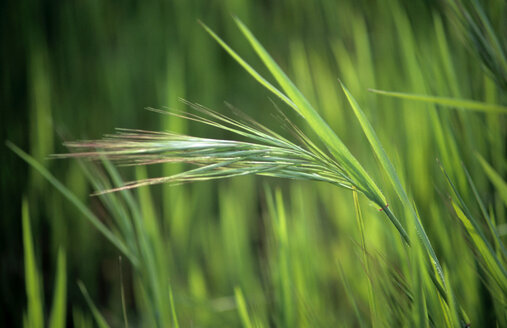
[
  {"x": 35, "y": 314},
  {"x": 351, "y": 296},
  {"x": 315, "y": 121},
  {"x": 491, "y": 261},
  {"x": 122, "y": 293},
  {"x": 371, "y": 296},
  {"x": 99, "y": 319},
  {"x": 242, "y": 308},
  {"x": 491, "y": 225},
  {"x": 393, "y": 177},
  {"x": 75, "y": 201},
  {"x": 451, "y": 303},
  {"x": 173, "y": 309},
  {"x": 59, "y": 308},
  {"x": 448, "y": 102},
  {"x": 495, "y": 178},
  {"x": 249, "y": 68},
  {"x": 299, "y": 103}
]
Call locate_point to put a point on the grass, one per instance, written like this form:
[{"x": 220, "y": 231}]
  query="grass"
[{"x": 234, "y": 250}]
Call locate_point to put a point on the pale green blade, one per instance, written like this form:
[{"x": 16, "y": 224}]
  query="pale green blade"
[
  {"x": 371, "y": 294},
  {"x": 59, "y": 309},
  {"x": 449, "y": 102},
  {"x": 242, "y": 308},
  {"x": 393, "y": 177},
  {"x": 173, "y": 309},
  {"x": 35, "y": 314},
  {"x": 495, "y": 178}
]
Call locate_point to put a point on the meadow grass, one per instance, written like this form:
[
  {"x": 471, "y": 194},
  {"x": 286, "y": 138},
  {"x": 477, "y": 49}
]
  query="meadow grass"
[{"x": 296, "y": 252}]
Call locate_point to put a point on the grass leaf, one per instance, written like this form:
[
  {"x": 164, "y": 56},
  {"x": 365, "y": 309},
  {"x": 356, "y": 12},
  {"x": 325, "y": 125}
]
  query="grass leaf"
[
  {"x": 495, "y": 178},
  {"x": 59, "y": 309},
  {"x": 99, "y": 319},
  {"x": 242, "y": 308},
  {"x": 35, "y": 313},
  {"x": 301, "y": 105},
  {"x": 75, "y": 201},
  {"x": 448, "y": 102},
  {"x": 394, "y": 179}
]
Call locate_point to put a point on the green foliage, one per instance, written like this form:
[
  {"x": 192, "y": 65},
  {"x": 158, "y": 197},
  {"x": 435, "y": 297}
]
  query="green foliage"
[
  {"x": 34, "y": 316},
  {"x": 238, "y": 247},
  {"x": 99, "y": 319}
]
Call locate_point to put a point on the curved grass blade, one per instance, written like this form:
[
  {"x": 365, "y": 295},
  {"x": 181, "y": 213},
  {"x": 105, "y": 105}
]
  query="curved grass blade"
[
  {"x": 249, "y": 68},
  {"x": 448, "y": 102},
  {"x": 297, "y": 101},
  {"x": 350, "y": 164},
  {"x": 393, "y": 177},
  {"x": 74, "y": 200},
  {"x": 99, "y": 319}
]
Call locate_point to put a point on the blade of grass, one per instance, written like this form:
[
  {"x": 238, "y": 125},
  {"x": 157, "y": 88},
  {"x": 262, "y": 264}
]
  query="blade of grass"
[
  {"x": 59, "y": 308},
  {"x": 499, "y": 246},
  {"x": 371, "y": 296},
  {"x": 299, "y": 103},
  {"x": 315, "y": 121},
  {"x": 173, "y": 309},
  {"x": 35, "y": 314},
  {"x": 122, "y": 293},
  {"x": 242, "y": 308},
  {"x": 393, "y": 177},
  {"x": 487, "y": 254},
  {"x": 448, "y": 102},
  {"x": 495, "y": 178},
  {"x": 350, "y": 295},
  {"x": 485, "y": 251},
  {"x": 99, "y": 319},
  {"x": 75, "y": 201}
]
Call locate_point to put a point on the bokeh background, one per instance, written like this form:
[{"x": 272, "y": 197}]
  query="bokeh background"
[{"x": 79, "y": 69}]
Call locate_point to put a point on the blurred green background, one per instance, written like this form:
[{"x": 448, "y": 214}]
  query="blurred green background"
[{"x": 78, "y": 69}]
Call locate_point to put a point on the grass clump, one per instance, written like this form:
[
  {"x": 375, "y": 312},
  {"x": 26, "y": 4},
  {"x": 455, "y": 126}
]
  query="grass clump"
[{"x": 303, "y": 253}]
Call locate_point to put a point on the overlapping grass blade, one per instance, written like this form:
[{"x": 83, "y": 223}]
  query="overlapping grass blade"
[
  {"x": 341, "y": 153},
  {"x": 393, "y": 177},
  {"x": 487, "y": 257},
  {"x": 296, "y": 100},
  {"x": 491, "y": 224},
  {"x": 115, "y": 240},
  {"x": 481, "y": 38}
]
